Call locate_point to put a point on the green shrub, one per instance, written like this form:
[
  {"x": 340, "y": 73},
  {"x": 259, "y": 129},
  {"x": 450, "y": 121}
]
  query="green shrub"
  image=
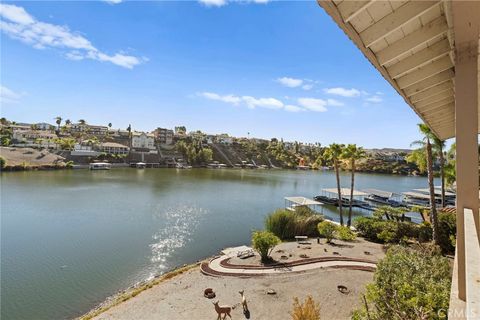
[
  {"x": 286, "y": 224},
  {"x": 281, "y": 223},
  {"x": 327, "y": 230},
  {"x": 385, "y": 231},
  {"x": 447, "y": 230},
  {"x": 425, "y": 232},
  {"x": 3, "y": 162},
  {"x": 408, "y": 284},
  {"x": 264, "y": 242},
  {"x": 344, "y": 233}
]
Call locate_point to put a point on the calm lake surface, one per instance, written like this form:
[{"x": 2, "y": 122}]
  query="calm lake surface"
[{"x": 69, "y": 239}]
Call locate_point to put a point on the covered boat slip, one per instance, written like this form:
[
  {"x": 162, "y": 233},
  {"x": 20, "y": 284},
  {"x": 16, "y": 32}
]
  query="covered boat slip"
[
  {"x": 330, "y": 196},
  {"x": 291, "y": 203},
  {"x": 429, "y": 53}
]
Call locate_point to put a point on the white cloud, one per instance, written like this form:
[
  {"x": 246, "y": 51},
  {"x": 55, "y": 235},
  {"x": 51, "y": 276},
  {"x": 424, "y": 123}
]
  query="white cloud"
[
  {"x": 292, "y": 108},
  {"x": 335, "y": 103},
  {"x": 343, "y": 92},
  {"x": 8, "y": 96},
  {"x": 290, "y": 82},
  {"x": 307, "y": 87},
  {"x": 113, "y": 1},
  {"x": 18, "y": 24},
  {"x": 313, "y": 104},
  {"x": 226, "y": 98},
  {"x": 269, "y": 103},
  {"x": 220, "y": 3},
  {"x": 374, "y": 99},
  {"x": 213, "y": 3}
]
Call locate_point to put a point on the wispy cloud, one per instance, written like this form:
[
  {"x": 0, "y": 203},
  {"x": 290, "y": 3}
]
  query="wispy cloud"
[
  {"x": 249, "y": 101},
  {"x": 226, "y": 98},
  {"x": 113, "y": 1},
  {"x": 339, "y": 91},
  {"x": 374, "y": 99},
  {"x": 220, "y": 3},
  {"x": 290, "y": 82},
  {"x": 313, "y": 104},
  {"x": 8, "y": 96},
  {"x": 307, "y": 87},
  {"x": 334, "y": 103},
  {"x": 19, "y": 24},
  {"x": 292, "y": 108}
]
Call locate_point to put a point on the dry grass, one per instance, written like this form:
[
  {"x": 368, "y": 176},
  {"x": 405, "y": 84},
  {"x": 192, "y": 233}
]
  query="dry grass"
[{"x": 308, "y": 310}]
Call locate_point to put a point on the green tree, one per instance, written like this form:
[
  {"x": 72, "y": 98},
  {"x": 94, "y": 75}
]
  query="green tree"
[
  {"x": 327, "y": 230},
  {"x": 264, "y": 242},
  {"x": 352, "y": 153},
  {"x": 58, "y": 121},
  {"x": 428, "y": 136},
  {"x": 82, "y": 122},
  {"x": 406, "y": 287},
  {"x": 3, "y": 162},
  {"x": 334, "y": 153}
]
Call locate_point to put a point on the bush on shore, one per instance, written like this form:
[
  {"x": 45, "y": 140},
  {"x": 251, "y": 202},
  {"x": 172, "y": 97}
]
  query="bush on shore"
[
  {"x": 327, "y": 230},
  {"x": 286, "y": 224},
  {"x": 264, "y": 242},
  {"x": 390, "y": 231},
  {"x": 3, "y": 162},
  {"x": 308, "y": 310},
  {"x": 408, "y": 284}
]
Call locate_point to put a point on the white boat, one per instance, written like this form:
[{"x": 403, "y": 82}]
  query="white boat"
[
  {"x": 141, "y": 165},
  {"x": 100, "y": 166}
]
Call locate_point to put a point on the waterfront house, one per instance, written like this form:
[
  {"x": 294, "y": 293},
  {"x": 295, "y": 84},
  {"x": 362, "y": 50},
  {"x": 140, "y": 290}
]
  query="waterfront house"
[
  {"x": 143, "y": 142},
  {"x": 44, "y": 126},
  {"x": 429, "y": 53},
  {"x": 113, "y": 148},
  {"x": 84, "y": 149},
  {"x": 163, "y": 136},
  {"x": 34, "y": 139},
  {"x": 87, "y": 128}
]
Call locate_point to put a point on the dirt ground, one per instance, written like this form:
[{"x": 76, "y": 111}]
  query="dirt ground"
[
  {"x": 182, "y": 296},
  {"x": 30, "y": 156}
]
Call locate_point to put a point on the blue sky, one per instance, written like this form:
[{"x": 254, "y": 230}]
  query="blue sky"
[{"x": 274, "y": 69}]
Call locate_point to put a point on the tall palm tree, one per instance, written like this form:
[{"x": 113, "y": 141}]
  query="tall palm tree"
[
  {"x": 334, "y": 153},
  {"x": 439, "y": 146},
  {"x": 58, "y": 121},
  {"x": 67, "y": 122},
  {"x": 351, "y": 153},
  {"x": 428, "y": 136}
]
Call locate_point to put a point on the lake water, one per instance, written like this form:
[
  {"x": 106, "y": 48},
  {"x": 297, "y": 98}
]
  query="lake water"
[{"x": 71, "y": 238}]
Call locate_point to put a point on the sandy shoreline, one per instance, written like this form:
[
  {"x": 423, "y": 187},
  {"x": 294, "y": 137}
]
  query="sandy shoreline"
[{"x": 178, "y": 294}]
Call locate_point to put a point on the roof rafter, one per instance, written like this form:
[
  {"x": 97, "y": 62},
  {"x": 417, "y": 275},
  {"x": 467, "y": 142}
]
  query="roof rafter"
[
  {"x": 420, "y": 58},
  {"x": 428, "y": 32},
  {"x": 425, "y": 72},
  {"x": 395, "y": 20},
  {"x": 432, "y": 91},
  {"x": 350, "y": 9},
  {"x": 429, "y": 83}
]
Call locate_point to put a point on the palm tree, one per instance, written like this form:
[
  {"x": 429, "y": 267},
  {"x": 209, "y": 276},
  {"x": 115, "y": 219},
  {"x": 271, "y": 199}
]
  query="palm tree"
[
  {"x": 58, "y": 121},
  {"x": 428, "y": 136},
  {"x": 67, "y": 122},
  {"x": 333, "y": 153},
  {"x": 82, "y": 122},
  {"x": 440, "y": 145},
  {"x": 352, "y": 153}
]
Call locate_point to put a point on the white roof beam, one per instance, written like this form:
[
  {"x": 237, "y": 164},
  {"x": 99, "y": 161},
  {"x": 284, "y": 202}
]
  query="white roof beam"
[
  {"x": 395, "y": 20},
  {"x": 420, "y": 58},
  {"x": 447, "y": 105},
  {"x": 428, "y": 32},
  {"x": 442, "y": 97},
  {"x": 432, "y": 91},
  {"x": 425, "y": 72},
  {"x": 350, "y": 9},
  {"x": 429, "y": 83}
]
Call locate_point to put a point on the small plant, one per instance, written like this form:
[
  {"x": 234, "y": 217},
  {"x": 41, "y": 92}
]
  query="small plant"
[
  {"x": 308, "y": 310},
  {"x": 344, "y": 233},
  {"x": 3, "y": 162},
  {"x": 264, "y": 242},
  {"x": 327, "y": 230},
  {"x": 408, "y": 284}
]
